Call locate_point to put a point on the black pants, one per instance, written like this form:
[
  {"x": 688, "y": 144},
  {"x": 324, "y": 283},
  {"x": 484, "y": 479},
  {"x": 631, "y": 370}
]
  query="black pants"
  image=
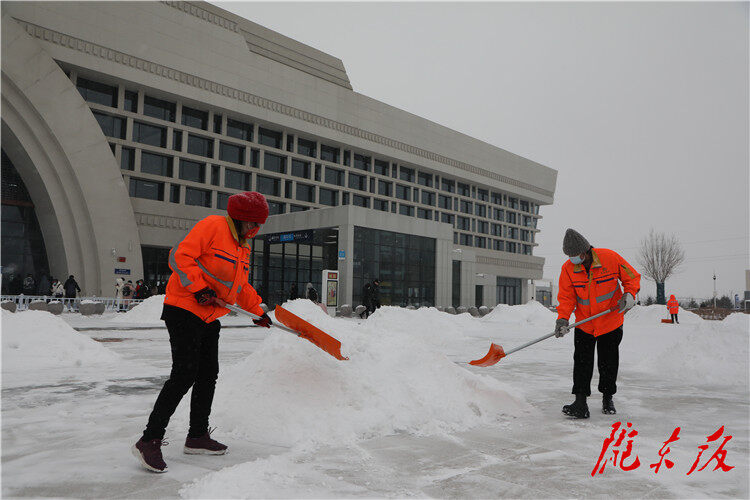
[
  {"x": 674, "y": 318},
  {"x": 195, "y": 363},
  {"x": 608, "y": 360}
]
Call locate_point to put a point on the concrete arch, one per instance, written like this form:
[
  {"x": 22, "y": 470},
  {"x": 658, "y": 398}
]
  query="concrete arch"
[{"x": 65, "y": 161}]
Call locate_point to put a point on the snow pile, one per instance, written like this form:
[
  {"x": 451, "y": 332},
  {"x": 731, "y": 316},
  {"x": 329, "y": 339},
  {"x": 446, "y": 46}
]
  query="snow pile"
[
  {"x": 532, "y": 312},
  {"x": 34, "y": 340},
  {"x": 736, "y": 321},
  {"x": 289, "y": 392},
  {"x": 148, "y": 311}
]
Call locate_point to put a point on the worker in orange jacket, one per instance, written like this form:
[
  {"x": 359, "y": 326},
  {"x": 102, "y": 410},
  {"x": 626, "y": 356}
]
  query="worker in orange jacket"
[
  {"x": 210, "y": 269},
  {"x": 674, "y": 308},
  {"x": 590, "y": 284}
]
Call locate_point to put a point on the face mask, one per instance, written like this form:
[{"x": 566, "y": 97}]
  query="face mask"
[
  {"x": 252, "y": 233},
  {"x": 576, "y": 259}
]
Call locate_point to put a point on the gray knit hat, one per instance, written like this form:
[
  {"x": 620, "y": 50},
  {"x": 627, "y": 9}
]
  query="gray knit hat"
[{"x": 574, "y": 243}]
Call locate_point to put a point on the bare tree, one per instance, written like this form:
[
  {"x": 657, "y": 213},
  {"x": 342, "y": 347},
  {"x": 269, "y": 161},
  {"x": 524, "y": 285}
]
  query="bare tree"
[{"x": 660, "y": 257}]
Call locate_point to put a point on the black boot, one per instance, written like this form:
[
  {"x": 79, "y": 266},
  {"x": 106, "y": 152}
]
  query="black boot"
[
  {"x": 608, "y": 407},
  {"x": 579, "y": 409}
]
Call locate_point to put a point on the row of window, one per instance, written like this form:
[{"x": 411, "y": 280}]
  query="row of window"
[{"x": 470, "y": 240}]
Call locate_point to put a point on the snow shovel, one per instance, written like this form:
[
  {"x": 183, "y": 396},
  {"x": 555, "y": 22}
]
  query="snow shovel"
[
  {"x": 294, "y": 324},
  {"x": 496, "y": 352}
]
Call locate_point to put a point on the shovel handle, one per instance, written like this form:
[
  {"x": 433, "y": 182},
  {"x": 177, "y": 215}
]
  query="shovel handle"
[{"x": 239, "y": 310}]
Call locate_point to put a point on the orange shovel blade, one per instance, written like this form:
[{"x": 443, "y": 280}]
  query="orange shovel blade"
[
  {"x": 310, "y": 332},
  {"x": 494, "y": 355}
]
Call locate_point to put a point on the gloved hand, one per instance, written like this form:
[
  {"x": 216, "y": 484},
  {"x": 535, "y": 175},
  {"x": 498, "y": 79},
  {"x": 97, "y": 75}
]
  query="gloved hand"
[
  {"x": 626, "y": 302},
  {"x": 206, "y": 297},
  {"x": 561, "y": 327},
  {"x": 263, "y": 321}
]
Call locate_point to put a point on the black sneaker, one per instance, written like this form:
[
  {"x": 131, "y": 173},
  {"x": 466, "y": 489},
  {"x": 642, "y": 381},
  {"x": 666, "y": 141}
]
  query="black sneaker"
[
  {"x": 149, "y": 455},
  {"x": 608, "y": 407},
  {"x": 578, "y": 409},
  {"x": 204, "y": 445}
]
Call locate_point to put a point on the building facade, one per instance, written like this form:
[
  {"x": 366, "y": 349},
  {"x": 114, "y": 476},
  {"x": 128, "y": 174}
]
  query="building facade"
[{"x": 124, "y": 123}]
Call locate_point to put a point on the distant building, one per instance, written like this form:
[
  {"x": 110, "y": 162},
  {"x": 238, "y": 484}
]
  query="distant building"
[{"x": 124, "y": 123}]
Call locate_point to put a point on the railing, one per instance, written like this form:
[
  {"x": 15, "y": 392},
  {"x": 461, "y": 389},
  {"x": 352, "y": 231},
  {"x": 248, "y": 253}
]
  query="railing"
[{"x": 71, "y": 304}]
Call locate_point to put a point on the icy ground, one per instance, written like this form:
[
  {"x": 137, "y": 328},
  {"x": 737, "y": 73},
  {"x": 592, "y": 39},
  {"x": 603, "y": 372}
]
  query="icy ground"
[{"x": 405, "y": 416}]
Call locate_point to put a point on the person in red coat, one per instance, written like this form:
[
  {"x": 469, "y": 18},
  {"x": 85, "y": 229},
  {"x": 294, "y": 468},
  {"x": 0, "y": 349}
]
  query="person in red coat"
[{"x": 674, "y": 308}]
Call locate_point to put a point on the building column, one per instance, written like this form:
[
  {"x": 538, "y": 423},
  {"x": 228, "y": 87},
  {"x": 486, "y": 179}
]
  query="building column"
[{"x": 346, "y": 266}]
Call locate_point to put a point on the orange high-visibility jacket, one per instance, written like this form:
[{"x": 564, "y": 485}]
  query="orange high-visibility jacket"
[
  {"x": 212, "y": 255},
  {"x": 591, "y": 293},
  {"x": 673, "y": 305}
]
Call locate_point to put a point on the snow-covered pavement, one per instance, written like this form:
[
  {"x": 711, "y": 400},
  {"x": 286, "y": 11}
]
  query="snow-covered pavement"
[{"x": 405, "y": 416}]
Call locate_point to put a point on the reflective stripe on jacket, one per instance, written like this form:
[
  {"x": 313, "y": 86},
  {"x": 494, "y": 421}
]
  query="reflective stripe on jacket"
[
  {"x": 673, "y": 305},
  {"x": 591, "y": 293},
  {"x": 211, "y": 255}
]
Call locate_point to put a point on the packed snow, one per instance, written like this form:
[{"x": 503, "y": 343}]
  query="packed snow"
[{"x": 405, "y": 415}]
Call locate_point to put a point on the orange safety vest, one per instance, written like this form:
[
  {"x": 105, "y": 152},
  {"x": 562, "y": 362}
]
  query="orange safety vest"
[
  {"x": 213, "y": 256},
  {"x": 591, "y": 293},
  {"x": 673, "y": 305}
]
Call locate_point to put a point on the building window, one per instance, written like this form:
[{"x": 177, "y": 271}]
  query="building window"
[
  {"x": 447, "y": 218},
  {"x": 445, "y": 202},
  {"x": 424, "y": 213},
  {"x": 239, "y": 130},
  {"x": 483, "y": 227},
  {"x": 448, "y": 186},
  {"x": 465, "y": 239},
  {"x": 305, "y": 192},
  {"x": 483, "y": 194},
  {"x": 127, "y": 159},
  {"x": 406, "y": 210},
  {"x": 403, "y": 192},
  {"x": 195, "y": 118},
  {"x": 381, "y": 205},
  {"x": 275, "y": 208},
  {"x": 177, "y": 140},
  {"x": 318, "y": 168},
  {"x": 290, "y": 143},
  {"x": 274, "y": 163},
  {"x": 334, "y": 176},
  {"x": 361, "y": 162},
  {"x": 428, "y": 198},
  {"x": 511, "y": 218},
  {"x": 300, "y": 168},
  {"x": 481, "y": 210},
  {"x": 217, "y": 124},
  {"x": 150, "y": 134},
  {"x": 222, "y": 200},
  {"x": 463, "y": 189},
  {"x": 497, "y": 230},
  {"x": 480, "y": 242},
  {"x": 255, "y": 158},
  {"x": 131, "y": 101},
  {"x": 232, "y": 153},
  {"x": 197, "y": 197},
  {"x": 156, "y": 164},
  {"x": 192, "y": 171},
  {"x": 467, "y": 207},
  {"x": 464, "y": 223},
  {"x": 510, "y": 246},
  {"x": 306, "y": 148},
  {"x": 381, "y": 167},
  {"x": 360, "y": 201},
  {"x": 236, "y": 179},
  {"x": 150, "y": 190},
  {"x": 456, "y": 287},
  {"x": 497, "y": 198},
  {"x": 513, "y": 203},
  {"x": 358, "y": 182},
  {"x": 329, "y": 153},
  {"x": 526, "y": 249},
  {"x": 347, "y": 158},
  {"x": 216, "y": 175},
  {"x": 269, "y": 138},
  {"x": 297, "y": 208},
  {"x": 385, "y": 188},
  {"x": 499, "y": 245},
  {"x": 328, "y": 197},
  {"x": 174, "y": 193},
  {"x": 424, "y": 179},
  {"x": 200, "y": 146},
  {"x": 499, "y": 214},
  {"x": 112, "y": 126},
  {"x": 268, "y": 185},
  {"x": 99, "y": 93},
  {"x": 157, "y": 108},
  {"x": 406, "y": 174}
]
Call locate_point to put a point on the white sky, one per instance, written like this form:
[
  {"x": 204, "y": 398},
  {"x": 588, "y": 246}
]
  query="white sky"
[{"x": 642, "y": 108}]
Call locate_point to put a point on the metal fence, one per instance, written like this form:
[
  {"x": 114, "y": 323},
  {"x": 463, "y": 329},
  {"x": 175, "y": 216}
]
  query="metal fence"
[{"x": 110, "y": 303}]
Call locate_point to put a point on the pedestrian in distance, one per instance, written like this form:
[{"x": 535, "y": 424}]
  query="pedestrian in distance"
[
  {"x": 43, "y": 288},
  {"x": 71, "y": 287},
  {"x": 57, "y": 289},
  {"x": 674, "y": 307},
  {"x": 375, "y": 297},
  {"x": 366, "y": 300},
  {"x": 210, "y": 269},
  {"x": 590, "y": 284},
  {"x": 293, "y": 292},
  {"x": 29, "y": 285},
  {"x": 311, "y": 293}
]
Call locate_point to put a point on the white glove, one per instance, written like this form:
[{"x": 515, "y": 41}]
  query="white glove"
[{"x": 626, "y": 302}]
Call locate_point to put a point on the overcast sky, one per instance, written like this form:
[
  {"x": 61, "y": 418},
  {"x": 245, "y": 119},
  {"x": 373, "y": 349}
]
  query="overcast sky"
[{"x": 642, "y": 108}]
